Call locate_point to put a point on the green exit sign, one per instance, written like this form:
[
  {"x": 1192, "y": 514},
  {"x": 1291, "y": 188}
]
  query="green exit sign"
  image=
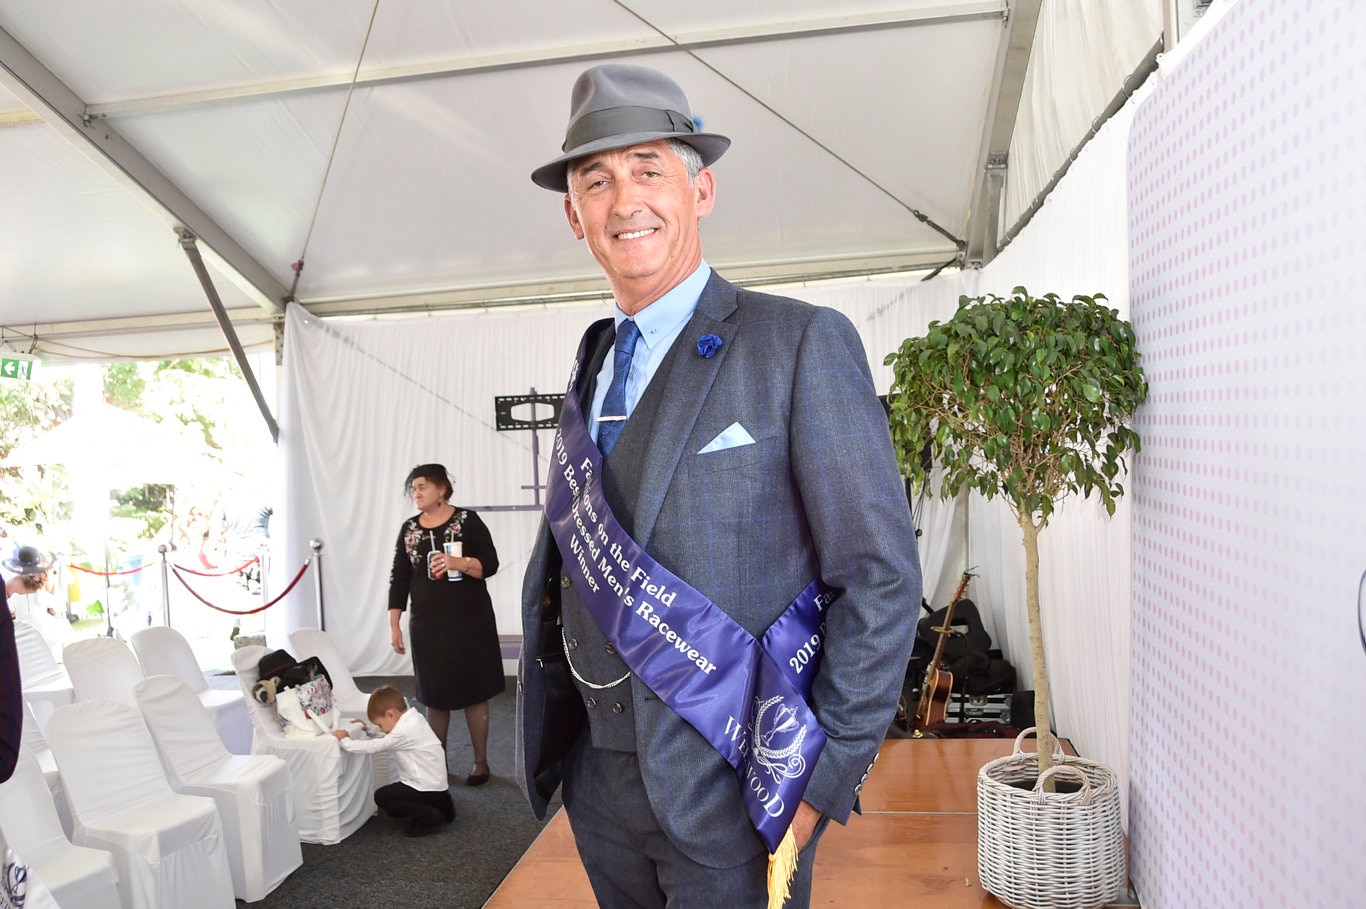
[{"x": 16, "y": 368}]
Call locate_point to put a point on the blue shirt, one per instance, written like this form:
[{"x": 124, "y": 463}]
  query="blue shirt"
[{"x": 660, "y": 324}]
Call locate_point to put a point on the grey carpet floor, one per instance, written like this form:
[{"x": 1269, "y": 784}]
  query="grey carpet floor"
[{"x": 457, "y": 868}]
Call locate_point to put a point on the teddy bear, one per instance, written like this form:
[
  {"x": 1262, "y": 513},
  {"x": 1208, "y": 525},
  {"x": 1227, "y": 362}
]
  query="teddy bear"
[{"x": 264, "y": 690}]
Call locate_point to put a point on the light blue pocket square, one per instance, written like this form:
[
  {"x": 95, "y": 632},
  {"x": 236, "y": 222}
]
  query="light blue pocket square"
[{"x": 733, "y": 436}]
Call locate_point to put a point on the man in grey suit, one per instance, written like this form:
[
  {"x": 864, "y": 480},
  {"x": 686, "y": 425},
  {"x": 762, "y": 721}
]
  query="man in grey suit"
[{"x": 755, "y": 467}]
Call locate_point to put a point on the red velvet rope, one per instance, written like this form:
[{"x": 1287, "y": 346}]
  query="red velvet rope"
[
  {"x": 111, "y": 574},
  {"x": 143, "y": 567},
  {"x": 219, "y": 574},
  {"x": 175, "y": 569}
]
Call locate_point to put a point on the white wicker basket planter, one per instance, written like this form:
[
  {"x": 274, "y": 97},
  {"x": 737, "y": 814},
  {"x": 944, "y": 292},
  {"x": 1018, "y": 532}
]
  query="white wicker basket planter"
[{"x": 1049, "y": 850}]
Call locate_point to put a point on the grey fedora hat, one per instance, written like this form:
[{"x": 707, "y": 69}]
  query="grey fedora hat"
[{"x": 617, "y": 105}]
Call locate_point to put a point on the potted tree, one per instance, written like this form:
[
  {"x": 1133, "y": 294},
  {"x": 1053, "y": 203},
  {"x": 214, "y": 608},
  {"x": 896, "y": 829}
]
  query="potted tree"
[{"x": 1027, "y": 398}]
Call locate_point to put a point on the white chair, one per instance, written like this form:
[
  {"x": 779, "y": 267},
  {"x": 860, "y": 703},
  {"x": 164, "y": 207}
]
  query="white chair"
[
  {"x": 31, "y": 740},
  {"x": 332, "y": 788},
  {"x": 164, "y": 651},
  {"x": 77, "y": 877},
  {"x": 102, "y": 669},
  {"x": 253, "y": 792},
  {"x": 351, "y": 701},
  {"x": 168, "y": 848},
  {"x": 44, "y": 682}
]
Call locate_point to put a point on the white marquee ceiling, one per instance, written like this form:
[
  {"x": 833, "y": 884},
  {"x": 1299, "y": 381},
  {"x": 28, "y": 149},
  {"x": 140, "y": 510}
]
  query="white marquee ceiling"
[{"x": 862, "y": 133}]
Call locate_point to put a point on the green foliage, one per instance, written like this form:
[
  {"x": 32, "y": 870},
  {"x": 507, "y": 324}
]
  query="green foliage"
[
  {"x": 195, "y": 393},
  {"x": 206, "y": 395},
  {"x": 150, "y": 505},
  {"x": 30, "y": 409},
  {"x": 1023, "y": 397},
  {"x": 125, "y": 383},
  {"x": 170, "y": 390}
]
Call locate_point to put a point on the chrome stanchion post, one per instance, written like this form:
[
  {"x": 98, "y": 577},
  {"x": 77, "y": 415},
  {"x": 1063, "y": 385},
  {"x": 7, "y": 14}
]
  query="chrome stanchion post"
[
  {"x": 263, "y": 563},
  {"x": 263, "y": 566},
  {"x": 165, "y": 587},
  {"x": 317, "y": 547}
]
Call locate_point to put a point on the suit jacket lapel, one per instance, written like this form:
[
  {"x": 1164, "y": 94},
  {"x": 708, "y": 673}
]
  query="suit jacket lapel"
[
  {"x": 598, "y": 348},
  {"x": 675, "y": 398}
]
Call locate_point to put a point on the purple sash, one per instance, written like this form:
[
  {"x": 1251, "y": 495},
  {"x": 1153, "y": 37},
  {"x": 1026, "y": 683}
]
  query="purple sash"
[{"x": 746, "y": 698}]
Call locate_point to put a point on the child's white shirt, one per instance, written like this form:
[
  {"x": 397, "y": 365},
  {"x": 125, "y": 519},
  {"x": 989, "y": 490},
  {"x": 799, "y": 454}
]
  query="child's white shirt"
[{"x": 415, "y": 749}]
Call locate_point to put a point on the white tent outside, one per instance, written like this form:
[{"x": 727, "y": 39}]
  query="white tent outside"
[{"x": 123, "y": 448}]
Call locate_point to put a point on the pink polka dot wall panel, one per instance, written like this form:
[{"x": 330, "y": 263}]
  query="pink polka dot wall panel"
[{"x": 1247, "y": 211}]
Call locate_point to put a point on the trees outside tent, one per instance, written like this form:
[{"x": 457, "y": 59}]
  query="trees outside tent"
[{"x": 208, "y": 435}]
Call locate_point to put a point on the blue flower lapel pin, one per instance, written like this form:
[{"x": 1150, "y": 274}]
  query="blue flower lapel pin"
[{"x": 707, "y": 345}]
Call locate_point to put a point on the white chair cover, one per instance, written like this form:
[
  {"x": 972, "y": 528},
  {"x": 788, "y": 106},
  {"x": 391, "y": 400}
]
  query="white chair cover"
[
  {"x": 164, "y": 651},
  {"x": 168, "y": 848},
  {"x": 333, "y": 793},
  {"x": 253, "y": 791},
  {"x": 77, "y": 877},
  {"x": 19, "y": 888},
  {"x": 31, "y": 740},
  {"x": 44, "y": 682},
  {"x": 352, "y": 703},
  {"x": 102, "y": 669}
]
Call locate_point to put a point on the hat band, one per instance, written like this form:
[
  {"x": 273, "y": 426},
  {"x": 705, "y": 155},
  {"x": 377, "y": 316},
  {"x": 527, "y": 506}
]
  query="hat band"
[{"x": 623, "y": 121}]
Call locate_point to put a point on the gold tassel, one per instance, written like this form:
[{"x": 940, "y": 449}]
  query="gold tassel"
[{"x": 782, "y": 865}]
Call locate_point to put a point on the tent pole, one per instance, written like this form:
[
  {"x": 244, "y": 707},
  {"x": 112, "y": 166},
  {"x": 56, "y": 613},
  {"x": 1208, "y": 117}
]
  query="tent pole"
[{"x": 187, "y": 243}]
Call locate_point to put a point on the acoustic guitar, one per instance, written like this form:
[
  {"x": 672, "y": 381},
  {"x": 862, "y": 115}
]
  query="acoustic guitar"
[{"x": 938, "y": 684}]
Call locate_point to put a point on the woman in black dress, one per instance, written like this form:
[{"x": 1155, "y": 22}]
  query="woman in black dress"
[{"x": 457, "y": 663}]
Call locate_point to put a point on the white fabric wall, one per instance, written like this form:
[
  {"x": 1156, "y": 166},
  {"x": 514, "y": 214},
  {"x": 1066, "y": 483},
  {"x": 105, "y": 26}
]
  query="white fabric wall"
[
  {"x": 1083, "y": 52},
  {"x": 1247, "y": 204},
  {"x": 364, "y": 402}
]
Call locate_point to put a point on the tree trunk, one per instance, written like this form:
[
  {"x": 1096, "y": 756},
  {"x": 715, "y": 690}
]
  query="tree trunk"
[{"x": 1043, "y": 714}]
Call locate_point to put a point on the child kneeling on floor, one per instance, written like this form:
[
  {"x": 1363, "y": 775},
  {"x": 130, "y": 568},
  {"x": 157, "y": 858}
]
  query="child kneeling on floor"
[{"x": 421, "y": 794}]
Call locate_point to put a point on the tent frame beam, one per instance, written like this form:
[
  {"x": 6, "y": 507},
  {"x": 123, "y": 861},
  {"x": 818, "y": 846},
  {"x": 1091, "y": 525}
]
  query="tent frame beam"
[
  {"x": 191, "y": 248},
  {"x": 1012, "y": 64},
  {"x": 592, "y": 288},
  {"x": 502, "y": 298}
]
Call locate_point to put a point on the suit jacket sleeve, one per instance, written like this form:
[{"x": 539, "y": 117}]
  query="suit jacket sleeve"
[
  {"x": 11, "y": 696},
  {"x": 860, "y": 526}
]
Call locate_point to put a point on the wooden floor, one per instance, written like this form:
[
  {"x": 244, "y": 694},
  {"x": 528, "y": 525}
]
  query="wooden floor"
[{"x": 914, "y": 845}]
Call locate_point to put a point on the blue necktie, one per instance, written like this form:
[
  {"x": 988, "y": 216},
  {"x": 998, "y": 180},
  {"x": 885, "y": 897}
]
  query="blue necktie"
[{"x": 613, "y": 417}]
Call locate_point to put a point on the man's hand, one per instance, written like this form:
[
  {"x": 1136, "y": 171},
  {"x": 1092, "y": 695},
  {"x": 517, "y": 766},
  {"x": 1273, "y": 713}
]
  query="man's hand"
[{"x": 804, "y": 824}]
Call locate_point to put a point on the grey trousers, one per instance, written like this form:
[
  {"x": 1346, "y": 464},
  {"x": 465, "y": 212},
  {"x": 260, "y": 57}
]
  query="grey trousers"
[{"x": 630, "y": 860}]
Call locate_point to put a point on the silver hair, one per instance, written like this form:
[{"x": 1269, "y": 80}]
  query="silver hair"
[{"x": 692, "y": 161}]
